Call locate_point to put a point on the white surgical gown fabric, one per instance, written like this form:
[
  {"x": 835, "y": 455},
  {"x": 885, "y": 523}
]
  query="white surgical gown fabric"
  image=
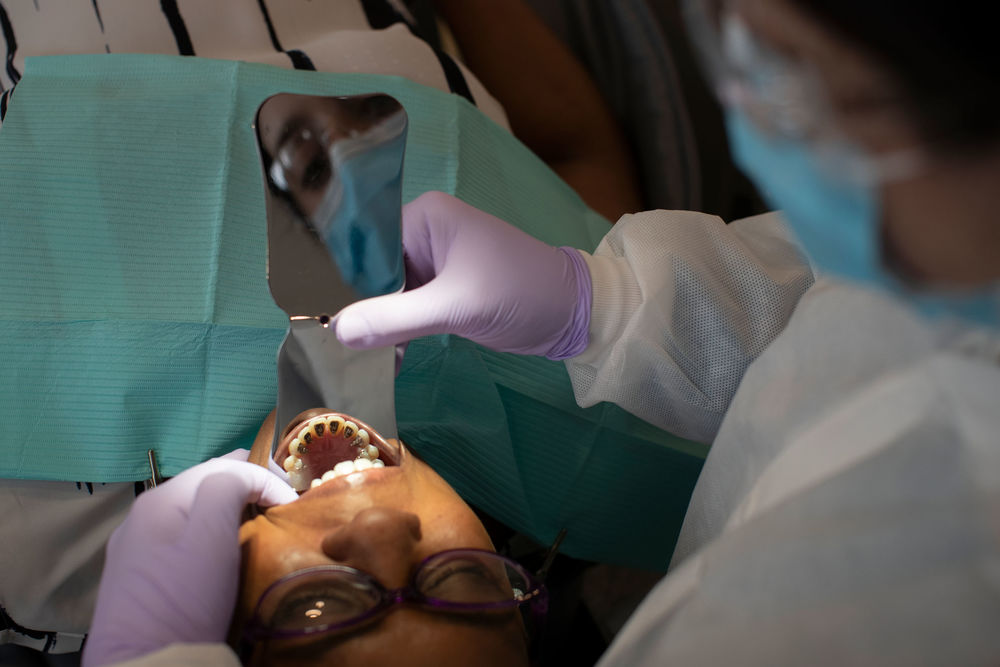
[
  {"x": 682, "y": 304},
  {"x": 849, "y": 509}
]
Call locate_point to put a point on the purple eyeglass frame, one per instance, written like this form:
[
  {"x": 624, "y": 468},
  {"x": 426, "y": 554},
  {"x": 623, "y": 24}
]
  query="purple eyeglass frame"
[{"x": 536, "y": 597}]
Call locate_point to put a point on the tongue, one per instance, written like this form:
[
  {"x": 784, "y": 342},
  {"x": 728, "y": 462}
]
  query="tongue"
[{"x": 324, "y": 453}]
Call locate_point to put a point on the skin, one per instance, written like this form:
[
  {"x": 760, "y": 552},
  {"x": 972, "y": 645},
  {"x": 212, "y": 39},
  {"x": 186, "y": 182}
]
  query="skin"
[
  {"x": 939, "y": 225},
  {"x": 383, "y": 524}
]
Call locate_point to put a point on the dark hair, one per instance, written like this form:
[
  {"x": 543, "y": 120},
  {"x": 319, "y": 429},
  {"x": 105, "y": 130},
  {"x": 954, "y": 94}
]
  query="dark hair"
[{"x": 944, "y": 55}]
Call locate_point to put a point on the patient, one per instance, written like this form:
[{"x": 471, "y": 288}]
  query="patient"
[
  {"x": 46, "y": 599},
  {"x": 374, "y": 506}
]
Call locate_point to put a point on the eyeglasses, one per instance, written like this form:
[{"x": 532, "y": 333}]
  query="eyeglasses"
[
  {"x": 336, "y": 598},
  {"x": 787, "y": 99}
]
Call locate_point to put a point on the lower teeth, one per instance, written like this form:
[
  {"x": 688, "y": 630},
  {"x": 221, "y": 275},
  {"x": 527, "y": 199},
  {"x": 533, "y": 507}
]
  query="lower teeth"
[
  {"x": 299, "y": 482},
  {"x": 312, "y": 435}
]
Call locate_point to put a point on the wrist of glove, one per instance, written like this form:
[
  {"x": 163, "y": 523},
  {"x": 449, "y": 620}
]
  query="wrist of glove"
[
  {"x": 471, "y": 274},
  {"x": 576, "y": 335},
  {"x": 171, "y": 569}
]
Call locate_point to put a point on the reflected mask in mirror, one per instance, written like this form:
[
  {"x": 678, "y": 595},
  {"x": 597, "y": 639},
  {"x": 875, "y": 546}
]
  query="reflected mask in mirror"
[{"x": 333, "y": 171}]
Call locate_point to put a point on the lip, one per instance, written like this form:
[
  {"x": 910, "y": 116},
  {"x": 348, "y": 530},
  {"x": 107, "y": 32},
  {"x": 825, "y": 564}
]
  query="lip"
[{"x": 396, "y": 453}]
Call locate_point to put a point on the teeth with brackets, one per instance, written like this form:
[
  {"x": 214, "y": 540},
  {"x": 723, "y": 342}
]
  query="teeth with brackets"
[{"x": 367, "y": 453}]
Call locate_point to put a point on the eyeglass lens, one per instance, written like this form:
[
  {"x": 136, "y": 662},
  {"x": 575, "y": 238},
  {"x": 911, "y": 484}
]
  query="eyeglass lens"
[{"x": 461, "y": 581}]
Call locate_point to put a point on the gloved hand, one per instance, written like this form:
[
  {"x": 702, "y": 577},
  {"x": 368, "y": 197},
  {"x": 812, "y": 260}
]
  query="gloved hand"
[
  {"x": 472, "y": 274},
  {"x": 171, "y": 569}
]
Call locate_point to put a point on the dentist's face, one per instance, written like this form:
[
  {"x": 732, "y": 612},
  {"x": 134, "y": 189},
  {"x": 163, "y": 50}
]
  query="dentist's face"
[
  {"x": 383, "y": 521},
  {"x": 938, "y": 226},
  {"x": 298, "y": 131}
]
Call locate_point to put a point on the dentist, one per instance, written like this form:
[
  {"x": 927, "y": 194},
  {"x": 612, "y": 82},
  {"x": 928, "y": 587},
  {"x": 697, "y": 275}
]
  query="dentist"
[{"x": 842, "y": 355}]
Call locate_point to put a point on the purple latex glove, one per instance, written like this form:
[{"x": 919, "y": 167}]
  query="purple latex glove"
[
  {"x": 472, "y": 274},
  {"x": 172, "y": 567}
]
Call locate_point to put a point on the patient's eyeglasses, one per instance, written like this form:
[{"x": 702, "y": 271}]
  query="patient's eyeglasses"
[{"x": 337, "y": 598}]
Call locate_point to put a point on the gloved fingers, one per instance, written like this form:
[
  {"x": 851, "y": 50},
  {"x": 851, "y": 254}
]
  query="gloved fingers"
[
  {"x": 426, "y": 221},
  {"x": 436, "y": 221},
  {"x": 244, "y": 454},
  {"x": 166, "y": 507},
  {"x": 263, "y": 487},
  {"x": 187, "y": 585},
  {"x": 162, "y": 515},
  {"x": 416, "y": 268},
  {"x": 277, "y": 470},
  {"x": 214, "y": 518},
  {"x": 210, "y": 547},
  {"x": 255, "y": 480},
  {"x": 397, "y": 318}
]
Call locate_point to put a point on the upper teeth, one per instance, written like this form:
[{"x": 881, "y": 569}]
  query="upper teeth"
[{"x": 368, "y": 454}]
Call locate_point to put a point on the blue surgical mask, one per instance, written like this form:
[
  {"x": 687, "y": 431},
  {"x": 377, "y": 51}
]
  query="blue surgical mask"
[
  {"x": 836, "y": 220},
  {"x": 357, "y": 218}
]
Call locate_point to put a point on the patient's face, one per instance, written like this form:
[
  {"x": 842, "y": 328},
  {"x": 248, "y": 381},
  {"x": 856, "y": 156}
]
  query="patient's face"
[{"x": 383, "y": 521}]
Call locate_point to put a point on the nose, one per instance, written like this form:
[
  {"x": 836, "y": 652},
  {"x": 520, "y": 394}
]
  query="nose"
[{"x": 378, "y": 540}]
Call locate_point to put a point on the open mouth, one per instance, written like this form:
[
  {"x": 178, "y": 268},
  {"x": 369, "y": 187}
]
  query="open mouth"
[{"x": 331, "y": 445}]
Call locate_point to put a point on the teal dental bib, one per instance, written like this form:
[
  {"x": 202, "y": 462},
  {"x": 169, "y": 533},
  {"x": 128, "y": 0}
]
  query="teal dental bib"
[{"x": 135, "y": 312}]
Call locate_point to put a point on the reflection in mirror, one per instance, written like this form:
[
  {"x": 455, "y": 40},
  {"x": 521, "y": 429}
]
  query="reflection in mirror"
[{"x": 333, "y": 174}]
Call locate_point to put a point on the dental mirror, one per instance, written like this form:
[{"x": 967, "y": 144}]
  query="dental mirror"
[{"x": 332, "y": 171}]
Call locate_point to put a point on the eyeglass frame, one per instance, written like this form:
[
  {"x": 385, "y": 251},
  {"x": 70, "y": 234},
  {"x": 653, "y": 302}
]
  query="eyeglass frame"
[{"x": 390, "y": 598}]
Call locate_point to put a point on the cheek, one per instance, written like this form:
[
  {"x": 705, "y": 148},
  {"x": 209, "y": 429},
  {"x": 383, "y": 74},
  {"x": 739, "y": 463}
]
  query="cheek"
[
  {"x": 453, "y": 526},
  {"x": 268, "y": 553},
  {"x": 447, "y": 522},
  {"x": 253, "y": 565}
]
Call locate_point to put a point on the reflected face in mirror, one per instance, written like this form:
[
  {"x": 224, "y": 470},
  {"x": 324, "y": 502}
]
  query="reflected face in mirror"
[
  {"x": 297, "y": 132},
  {"x": 383, "y": 521},
  {"x": 333, "y": 173}
]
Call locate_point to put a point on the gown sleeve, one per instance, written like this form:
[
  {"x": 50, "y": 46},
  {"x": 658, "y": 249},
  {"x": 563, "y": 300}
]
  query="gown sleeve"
[{"x": 682, "y": 303}]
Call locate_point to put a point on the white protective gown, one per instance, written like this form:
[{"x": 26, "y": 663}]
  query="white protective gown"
[{"x": 849, "y": 510}]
